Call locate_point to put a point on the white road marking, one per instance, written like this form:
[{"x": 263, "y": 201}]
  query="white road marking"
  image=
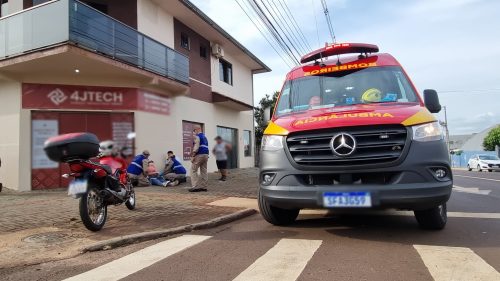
[
  {"x": 134, "y": 262},
  {"x": 284, "y": 262},
  {"x": 450, "y": 214},
  {"x": 455, "y": 263},
  {"x": 476, "y": 178},
  {"x": 473, "y": 190}
]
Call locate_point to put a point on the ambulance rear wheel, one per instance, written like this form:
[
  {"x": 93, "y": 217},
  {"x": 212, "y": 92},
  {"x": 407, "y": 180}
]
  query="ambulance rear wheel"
[{"x": 276, "y": 216}]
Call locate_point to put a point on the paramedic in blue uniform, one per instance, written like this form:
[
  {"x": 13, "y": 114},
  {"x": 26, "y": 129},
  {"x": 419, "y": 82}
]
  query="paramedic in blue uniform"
[
  {"x": 174, "y": 172},
  {"x": 137, "y": 169},
  {"x": 199, "y": 161}
]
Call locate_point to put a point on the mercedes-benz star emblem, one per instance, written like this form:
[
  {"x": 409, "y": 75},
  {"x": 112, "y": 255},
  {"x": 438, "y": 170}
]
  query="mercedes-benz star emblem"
[{"x": 343, "y": 144}]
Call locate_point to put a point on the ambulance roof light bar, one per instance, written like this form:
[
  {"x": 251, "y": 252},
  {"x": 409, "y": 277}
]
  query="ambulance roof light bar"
[{"x": 339, "y": 49}]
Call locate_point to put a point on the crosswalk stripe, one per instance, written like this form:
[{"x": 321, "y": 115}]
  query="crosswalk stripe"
[
  {"x": 455, "y": 263},
  {"x": 134, "y": 262},
  {"x": 285, "y": 261}
]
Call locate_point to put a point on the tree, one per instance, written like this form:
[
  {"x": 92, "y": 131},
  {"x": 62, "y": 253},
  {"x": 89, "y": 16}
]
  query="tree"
[
  {"x": 492, "y": 139},
  {"x": 261, "y": 123}
]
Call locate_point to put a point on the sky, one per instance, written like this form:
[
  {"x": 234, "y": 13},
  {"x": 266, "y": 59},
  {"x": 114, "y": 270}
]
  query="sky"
[{"x": 452, "y": 46}]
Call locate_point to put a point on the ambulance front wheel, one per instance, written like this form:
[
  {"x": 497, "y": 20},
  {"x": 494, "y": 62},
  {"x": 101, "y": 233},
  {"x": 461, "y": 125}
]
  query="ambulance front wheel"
[{"x": 276, "y": 216}]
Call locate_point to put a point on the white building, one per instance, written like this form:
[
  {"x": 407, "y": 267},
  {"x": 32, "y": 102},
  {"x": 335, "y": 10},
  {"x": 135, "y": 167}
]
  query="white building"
[{"x": 111, "y": 67}]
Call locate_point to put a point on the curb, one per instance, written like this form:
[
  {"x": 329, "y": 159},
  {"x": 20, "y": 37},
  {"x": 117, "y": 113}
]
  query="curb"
[{"x": 150, "y": 235}]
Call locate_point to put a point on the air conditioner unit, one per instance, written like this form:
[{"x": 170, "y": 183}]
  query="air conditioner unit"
[{"x": 217, "y": 51}]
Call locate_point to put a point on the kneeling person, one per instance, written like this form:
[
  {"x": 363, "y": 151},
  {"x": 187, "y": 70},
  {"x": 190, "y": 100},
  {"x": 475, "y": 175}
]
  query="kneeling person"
[{"x": 174, "y": 172}]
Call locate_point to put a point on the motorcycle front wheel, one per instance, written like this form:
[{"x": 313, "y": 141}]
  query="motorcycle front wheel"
[
  {"x": 131, "y": 200},
  {"x": 93, "y": 210}
]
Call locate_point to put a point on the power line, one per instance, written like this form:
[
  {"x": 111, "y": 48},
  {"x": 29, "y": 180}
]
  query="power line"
[
  {"x": 273, "y": 31},
  {"x": 290, "y": 31},
  {"x": 268, "y": 27},
  {"x": 291, "y": 46},
  {"x": 328, "y": 20},
  {"x": 316, "y": 20},
  {"x": 264, "y": 35},
  {"x": 294, "y": 22}
]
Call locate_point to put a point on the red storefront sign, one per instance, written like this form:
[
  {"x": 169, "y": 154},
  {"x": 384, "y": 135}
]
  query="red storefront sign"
[{"x": 46, "y": 96}]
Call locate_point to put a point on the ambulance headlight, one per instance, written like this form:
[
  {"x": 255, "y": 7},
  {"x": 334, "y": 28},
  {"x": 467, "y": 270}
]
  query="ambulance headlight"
[
  {"x": 272, "y": 142},
  {"x": 427, "y": 132}
]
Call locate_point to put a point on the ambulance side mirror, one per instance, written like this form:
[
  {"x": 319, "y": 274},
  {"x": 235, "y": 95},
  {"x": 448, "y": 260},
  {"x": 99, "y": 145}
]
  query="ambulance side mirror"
[
  {"x": 267, "y": 114},
  {"x": 431, "y": 100}
]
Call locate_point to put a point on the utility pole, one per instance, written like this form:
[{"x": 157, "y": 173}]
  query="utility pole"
[
  {"x": 445, "y": 125},
  {"x": 446, "y": 128}
]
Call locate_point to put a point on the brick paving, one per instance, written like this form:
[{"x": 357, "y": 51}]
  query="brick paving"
[{"x": 157, "y": 207}]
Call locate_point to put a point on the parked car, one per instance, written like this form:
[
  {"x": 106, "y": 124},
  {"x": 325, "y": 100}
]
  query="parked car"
[{"x": 484, "y": 162}]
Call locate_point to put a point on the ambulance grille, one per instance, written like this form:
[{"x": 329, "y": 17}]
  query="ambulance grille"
[{"x": 374, "y": 145}]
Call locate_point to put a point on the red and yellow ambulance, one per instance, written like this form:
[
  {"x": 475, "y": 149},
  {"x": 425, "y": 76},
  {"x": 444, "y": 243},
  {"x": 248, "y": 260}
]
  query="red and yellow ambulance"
[{"x": 351, "y": 131}]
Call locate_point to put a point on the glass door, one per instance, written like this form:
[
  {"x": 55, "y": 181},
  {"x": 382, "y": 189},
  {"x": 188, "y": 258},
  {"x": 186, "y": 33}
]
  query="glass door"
[{"x": 230, "y": 136}]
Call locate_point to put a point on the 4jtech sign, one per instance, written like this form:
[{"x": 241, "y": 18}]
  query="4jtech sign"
[{"x": 46, "y": 96}]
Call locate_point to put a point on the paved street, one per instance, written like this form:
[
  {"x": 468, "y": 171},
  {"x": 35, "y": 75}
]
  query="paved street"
[{"x": 319, "y": 246}]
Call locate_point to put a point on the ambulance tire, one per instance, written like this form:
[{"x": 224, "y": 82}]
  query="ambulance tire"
[
  {"x": 276, "y": 216},
  {"x": 432, "y": 219}
]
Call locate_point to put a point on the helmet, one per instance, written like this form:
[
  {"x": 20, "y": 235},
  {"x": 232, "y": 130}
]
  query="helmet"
[
  {"x": 371, "y": 95},
  {"x": 107, "y": 148}
]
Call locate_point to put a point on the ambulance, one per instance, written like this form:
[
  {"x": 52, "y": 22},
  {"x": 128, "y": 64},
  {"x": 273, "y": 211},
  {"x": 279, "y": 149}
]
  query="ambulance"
[{"x": 350, "y": 131}]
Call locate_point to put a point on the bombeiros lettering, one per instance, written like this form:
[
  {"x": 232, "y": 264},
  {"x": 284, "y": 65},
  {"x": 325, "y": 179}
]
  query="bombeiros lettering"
[{"x": 329, "y": 69}]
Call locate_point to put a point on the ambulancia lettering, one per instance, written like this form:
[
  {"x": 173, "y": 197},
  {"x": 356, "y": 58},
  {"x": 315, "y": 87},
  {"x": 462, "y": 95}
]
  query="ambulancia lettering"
[{"x": 345, "y": 115}]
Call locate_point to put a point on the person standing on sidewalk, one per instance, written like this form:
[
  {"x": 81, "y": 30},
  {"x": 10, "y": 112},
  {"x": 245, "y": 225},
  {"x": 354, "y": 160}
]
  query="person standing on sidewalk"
[
  {"x": 199, "y": 161},
  {"x": 220, "y": 151}
]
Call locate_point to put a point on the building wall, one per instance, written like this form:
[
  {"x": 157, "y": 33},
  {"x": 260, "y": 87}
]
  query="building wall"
[
  {"x": 211, "y": 115},
  {"x": 242, "y": 80},
  {"x": 10, "y": 118},
  {"x": 160, "y": 133},
  {"x": 155, "y": 22},
  {"x": 199, "y": 67}
]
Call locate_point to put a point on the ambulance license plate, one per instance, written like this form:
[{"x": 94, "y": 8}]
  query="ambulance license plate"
[
  {"x": 77, "y": 187},
  {"x": 358, "y": 199}
]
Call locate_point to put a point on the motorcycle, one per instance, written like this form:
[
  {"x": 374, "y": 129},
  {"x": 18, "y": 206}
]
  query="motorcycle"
[{"x": 96, "y": 184}]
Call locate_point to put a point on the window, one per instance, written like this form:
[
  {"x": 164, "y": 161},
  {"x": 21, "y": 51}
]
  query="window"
[
  {"x": 4, "y": 8},
  {"x": 225, "y": 72},
  {"x": 247, "y": 143},
  {"x": 346, "y": 88},
  {"x": 185, "y": 42},
  {"x": 203, "y": 51}
]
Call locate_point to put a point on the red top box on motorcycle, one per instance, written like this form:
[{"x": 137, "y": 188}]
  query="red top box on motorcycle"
[{"x": 67, "y": 147}]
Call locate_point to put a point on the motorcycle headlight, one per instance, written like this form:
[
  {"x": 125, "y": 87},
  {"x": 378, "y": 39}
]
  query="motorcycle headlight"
[
  {"x": 427, "y": 132},
  {"x": 272, "y": 142}
]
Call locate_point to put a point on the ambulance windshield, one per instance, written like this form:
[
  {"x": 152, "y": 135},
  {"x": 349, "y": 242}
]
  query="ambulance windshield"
[{"x": 361, "y": 86}]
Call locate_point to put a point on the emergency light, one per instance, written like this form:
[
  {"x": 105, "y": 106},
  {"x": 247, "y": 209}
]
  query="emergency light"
[{"x": 339, "y": 49}]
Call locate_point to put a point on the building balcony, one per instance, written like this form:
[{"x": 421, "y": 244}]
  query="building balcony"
[{"x": 66, "y": 36}]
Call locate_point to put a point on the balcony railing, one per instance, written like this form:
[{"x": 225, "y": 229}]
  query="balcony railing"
[{"x": 64, "y": 21}]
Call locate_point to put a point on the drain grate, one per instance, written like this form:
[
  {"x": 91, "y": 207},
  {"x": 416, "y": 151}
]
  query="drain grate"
[{"x": 48, "y": 238}]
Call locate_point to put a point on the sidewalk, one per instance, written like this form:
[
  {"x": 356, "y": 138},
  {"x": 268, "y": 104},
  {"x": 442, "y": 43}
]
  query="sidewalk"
[{"x": 45, "y": 225}]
